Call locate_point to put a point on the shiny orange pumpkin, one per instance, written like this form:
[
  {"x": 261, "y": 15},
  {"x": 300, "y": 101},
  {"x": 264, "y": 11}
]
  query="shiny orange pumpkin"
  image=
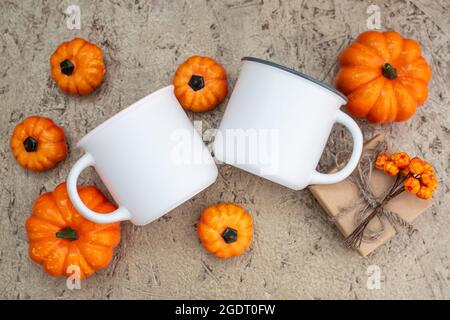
[
  {"x": 77, "y": 67},
  {"x": 200, "y": 84},
  {"x": 384, "y": 76},
  {"x": 225, "y": 230},
  {"x": 38, "y": 143},
  {"x": 62, "y": 241}
]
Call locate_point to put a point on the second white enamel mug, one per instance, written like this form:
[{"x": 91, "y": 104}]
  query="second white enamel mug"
[
  {"x": 277, "y": 123},
  {"x": 149, "y": 157}
]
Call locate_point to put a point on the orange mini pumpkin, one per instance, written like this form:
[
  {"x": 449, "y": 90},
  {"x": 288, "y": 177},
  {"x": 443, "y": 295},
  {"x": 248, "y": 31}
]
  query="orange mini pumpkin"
[
  {"x": 200, "y": 84},
  {"x": 77, "y": 66},
  {"x": 225, "y": 230},
  {"x": 384, "y": 76},
  {"x": 62, "y": 241},
  {"x": 38, "y": 143}
]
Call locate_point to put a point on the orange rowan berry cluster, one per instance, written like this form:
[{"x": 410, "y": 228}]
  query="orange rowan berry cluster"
[
  {"x": 419, "y": 176},
  {"x": 412, "y": 175}
]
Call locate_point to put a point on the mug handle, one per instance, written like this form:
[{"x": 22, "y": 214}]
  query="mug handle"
[
  {"x": 119, "y": 214},
  {"x": 324, "y": 178}
]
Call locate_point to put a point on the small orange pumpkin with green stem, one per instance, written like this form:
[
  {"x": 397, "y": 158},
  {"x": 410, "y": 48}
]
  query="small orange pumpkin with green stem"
[
  {"x": 384, "y": 76},
  {"x": 61, "y": 239}
]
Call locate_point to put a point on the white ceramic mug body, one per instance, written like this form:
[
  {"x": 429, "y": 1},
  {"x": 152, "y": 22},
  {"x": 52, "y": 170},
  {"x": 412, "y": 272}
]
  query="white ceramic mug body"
[
  {"x": 277, "y": 123},
  {"x": 149, "y": 157}
]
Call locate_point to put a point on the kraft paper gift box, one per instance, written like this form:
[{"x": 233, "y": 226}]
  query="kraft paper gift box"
[{"x": 344, "y": 195}]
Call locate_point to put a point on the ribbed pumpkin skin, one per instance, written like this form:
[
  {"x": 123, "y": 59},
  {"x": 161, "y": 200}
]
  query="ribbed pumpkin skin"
[
  {"x": 89, "y": 67},
  {"x": 93, "y": 248},
  {"x": 370, "y": 92},
  {"x": 51, "y": 145},
  {"x": 215, "y": 84},
  {"x": 215, "y": 220}
]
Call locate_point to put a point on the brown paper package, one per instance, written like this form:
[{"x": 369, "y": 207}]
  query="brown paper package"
[{"x": 334, "y": 197}]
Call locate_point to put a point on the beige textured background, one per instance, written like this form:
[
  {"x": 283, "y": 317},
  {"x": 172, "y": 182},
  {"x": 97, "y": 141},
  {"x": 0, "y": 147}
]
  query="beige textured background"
[{"x": 296, "y": 253}]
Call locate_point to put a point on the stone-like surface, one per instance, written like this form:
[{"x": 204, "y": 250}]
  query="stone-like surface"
[{"x": 296, "y": 252}]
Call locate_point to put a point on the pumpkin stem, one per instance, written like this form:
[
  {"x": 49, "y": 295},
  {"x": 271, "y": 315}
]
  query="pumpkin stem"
[
  {"x": 196, "y": 82},
  {"x": 67, "y": 67},
  {"x": 67, "y": 233},
  {"x": 30, "y": 144},
  {"x": 389, "y": 71},
  {"x": 229, "y": 235}
]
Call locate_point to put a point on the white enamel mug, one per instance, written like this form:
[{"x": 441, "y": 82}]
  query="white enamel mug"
[
  {"x": 277, "y": 123},
  {"x": 149, "y": 157}
]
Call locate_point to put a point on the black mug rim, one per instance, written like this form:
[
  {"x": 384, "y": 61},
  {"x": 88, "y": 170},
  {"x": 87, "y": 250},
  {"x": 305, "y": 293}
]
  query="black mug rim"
[{"x": 297, "y": 73}]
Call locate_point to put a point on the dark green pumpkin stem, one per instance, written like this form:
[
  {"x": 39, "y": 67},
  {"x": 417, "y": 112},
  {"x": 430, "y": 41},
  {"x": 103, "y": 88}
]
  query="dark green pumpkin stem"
[
  {"x": 30, "y": 144},
  {"x": 196, "y": 82},
  {"x": 67, "y": 233},
  {"x": 230, "y": 235},
  {"x": 67, "y": 67},
  {"x": 389, "y": 71}
]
